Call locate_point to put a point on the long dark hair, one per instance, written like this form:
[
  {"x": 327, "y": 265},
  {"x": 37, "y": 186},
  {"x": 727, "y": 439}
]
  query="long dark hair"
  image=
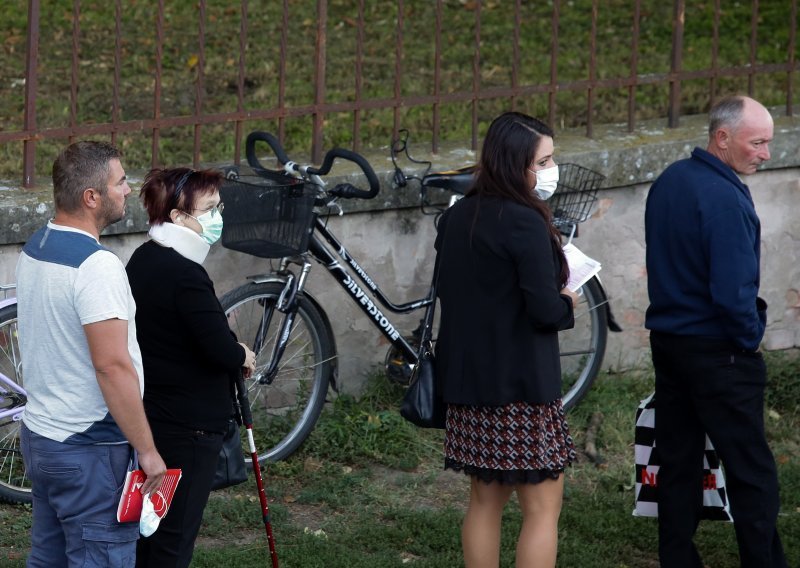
[{"x": 508, "y": 149}]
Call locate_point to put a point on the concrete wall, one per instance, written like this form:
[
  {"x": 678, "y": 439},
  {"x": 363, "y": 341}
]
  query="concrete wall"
[{"x": 393, "y": 240}]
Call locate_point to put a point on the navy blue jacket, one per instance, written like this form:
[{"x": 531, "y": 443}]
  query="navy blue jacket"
[{"x": 703, "y": 250}]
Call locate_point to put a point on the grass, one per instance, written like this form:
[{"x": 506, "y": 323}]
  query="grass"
[
  {"x": 367, "y": 490},
  {"x": 181, "y": 66}
]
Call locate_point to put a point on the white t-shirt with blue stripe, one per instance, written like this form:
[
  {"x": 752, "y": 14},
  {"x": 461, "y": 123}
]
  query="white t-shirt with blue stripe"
[{"x": 65, "y": 280}]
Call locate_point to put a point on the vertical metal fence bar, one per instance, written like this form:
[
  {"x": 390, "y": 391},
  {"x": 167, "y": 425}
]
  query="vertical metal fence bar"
[
  {"x": 515, "y": 53},
  {"x": 637, "y": 16},
  {"x": 319, "y": 80},
  {"x": 282, "y": 69},
  {"x": 437, "y": 71},
  {"x": 359, "y": 71},
  {"x": 398, "y": 68},
  {"x": 73, "y": 80},
  {"x": 31, "y": 83},
  {"x": 592, "y": 72},
  {"x": 753, "y": 47},
  {"x": 678, "y": 20},
  {"x": 476, "y": 76},
  {"x": 117, "y": 70},
  {"x": 790, "y": 74},
  {"x": 714, "y": 53},
  {"x": 199, "y": 89},
  {"x": 157, "y": 87},
  {"x": 237, "y": 143},
  {"x": 551, "y": 93}
]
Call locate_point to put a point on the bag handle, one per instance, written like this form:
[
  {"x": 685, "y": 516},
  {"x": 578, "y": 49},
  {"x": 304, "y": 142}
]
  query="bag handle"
[{"x": 425, "y": 337}]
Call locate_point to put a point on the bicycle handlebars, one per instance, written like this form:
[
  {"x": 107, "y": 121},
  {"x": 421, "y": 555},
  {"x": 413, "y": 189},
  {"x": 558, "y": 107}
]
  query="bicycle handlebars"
[
  {"x": 272, "y": 141},
  {"x": 346, "y": 190}
]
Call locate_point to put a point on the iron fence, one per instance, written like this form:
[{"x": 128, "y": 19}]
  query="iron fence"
[{"x": 352, "y": 72}]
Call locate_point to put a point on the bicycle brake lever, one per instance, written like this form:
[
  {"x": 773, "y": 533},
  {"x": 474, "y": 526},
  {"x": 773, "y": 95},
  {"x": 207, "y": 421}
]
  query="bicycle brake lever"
[
  {"x": 333, "y": 204},
  {"x": 400, "y": 179}
]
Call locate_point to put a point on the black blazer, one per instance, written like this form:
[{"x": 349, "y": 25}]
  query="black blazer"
[{"x": 500, "y": 305}]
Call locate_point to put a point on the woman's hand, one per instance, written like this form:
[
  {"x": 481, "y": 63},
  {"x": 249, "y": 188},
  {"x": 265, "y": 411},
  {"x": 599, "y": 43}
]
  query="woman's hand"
[
  {"x": 571, "y": 295},
  {"x": 249, "y": 361}
]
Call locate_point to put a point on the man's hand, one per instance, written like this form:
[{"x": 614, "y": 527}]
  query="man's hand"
[{"x": 154, "y": 468}]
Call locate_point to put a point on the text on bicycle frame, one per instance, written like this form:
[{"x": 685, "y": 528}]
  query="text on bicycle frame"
[{"x": 359, "y": 294}]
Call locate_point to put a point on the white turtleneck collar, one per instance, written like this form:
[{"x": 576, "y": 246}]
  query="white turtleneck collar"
[{"x": 186, "y": 242}]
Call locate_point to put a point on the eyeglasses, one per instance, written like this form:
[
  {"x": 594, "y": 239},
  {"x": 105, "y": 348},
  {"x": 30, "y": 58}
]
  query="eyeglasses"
[{"x": 216, "y": 210}]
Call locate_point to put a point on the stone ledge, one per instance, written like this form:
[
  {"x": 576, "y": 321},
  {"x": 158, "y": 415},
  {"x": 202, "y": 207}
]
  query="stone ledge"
[{"x": 625, "y": 158}]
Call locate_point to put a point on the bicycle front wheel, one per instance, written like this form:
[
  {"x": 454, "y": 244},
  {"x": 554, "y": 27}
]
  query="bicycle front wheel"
[
  {"x": 582, "y": 347},
  {"x": 286, "y": 410},
  {"x": 15, "y": 487}
]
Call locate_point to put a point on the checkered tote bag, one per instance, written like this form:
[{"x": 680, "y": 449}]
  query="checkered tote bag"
[{"x": 715, "y": 500}]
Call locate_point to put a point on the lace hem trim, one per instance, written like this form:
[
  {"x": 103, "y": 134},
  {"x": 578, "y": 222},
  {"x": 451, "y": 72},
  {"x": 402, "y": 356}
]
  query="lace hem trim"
[{"x": 505, "y": 477}]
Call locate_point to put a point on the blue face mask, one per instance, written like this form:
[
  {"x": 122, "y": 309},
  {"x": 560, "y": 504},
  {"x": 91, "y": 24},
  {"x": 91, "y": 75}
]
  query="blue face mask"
[{"x": 211, "y": 223}]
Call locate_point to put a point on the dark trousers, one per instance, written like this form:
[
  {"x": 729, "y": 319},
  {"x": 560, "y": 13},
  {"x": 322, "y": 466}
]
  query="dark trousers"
[
  {"x": 196, "y": 454},
  {"x": 707, "y": 385}
]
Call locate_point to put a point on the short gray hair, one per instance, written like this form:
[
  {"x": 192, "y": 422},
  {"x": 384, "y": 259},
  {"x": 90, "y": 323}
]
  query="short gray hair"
[
  {"x": 79, "y": 166},
  {"x": 726, "y": 112}
]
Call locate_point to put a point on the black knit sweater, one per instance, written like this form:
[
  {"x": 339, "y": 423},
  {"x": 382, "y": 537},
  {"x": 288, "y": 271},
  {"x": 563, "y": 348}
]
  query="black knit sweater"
[{"x": 188, "y": 350}]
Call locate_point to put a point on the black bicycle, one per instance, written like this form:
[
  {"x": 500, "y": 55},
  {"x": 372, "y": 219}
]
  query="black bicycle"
[{"x": 278, "y": 214}]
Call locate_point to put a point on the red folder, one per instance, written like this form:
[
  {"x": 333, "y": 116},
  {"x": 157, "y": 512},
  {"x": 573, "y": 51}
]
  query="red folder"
[{"x": 130, "y": 504}]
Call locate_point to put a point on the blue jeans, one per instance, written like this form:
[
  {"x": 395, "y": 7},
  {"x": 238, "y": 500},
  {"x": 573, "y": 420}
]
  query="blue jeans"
[
  {"x": 76, "y": 490},
  {"x": 707, "y": 386}
]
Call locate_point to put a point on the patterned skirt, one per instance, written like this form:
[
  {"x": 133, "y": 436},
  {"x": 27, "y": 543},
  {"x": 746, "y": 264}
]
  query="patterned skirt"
[{"x": 515, "y": 443}]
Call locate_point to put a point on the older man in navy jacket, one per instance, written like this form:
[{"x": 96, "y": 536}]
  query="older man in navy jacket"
[{"x": 706, "y": 321}]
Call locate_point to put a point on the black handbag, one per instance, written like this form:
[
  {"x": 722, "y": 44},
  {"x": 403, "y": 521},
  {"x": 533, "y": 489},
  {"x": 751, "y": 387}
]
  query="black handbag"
[
  {"x": 230, "y": 465},
  {"x": 422, "y": 404}
]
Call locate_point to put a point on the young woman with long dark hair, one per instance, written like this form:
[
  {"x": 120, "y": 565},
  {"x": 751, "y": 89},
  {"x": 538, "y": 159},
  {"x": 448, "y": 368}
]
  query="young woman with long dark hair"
[{"x": 501, "y": 285}]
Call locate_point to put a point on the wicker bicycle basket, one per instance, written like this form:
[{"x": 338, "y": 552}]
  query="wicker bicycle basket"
[
  {"x": 575, "y": 194},
  {"x": 267, "y": 218}
]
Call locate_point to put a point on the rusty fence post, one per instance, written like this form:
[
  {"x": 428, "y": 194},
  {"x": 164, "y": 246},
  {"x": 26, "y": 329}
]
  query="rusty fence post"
[
  {"x": 31, "y": 82},
  {"x": 678, "y": 22},
  {"x": 318, "y": 120}
]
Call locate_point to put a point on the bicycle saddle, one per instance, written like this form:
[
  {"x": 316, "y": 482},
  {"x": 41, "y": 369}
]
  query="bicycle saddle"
[{"x": 458, "y": 181}]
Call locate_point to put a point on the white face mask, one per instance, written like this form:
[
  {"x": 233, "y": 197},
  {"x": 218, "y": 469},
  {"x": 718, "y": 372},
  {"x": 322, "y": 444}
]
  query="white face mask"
[{"x": 546, "y": 182}]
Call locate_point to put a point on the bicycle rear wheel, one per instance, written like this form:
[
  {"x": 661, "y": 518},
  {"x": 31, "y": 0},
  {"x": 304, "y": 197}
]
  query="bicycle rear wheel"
[
  {"x": 286, "y": 410},
  {"x": 15, "y": 487},
  {"x": 582, "y": 348}
]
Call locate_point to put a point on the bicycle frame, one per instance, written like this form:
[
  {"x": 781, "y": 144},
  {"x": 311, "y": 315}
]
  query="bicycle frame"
[
  {"x": 294, "y": 286},
  {"x": 357, "y": 294},
  {"x": 6, "y": 301},
  {"x": 10, "y": 389}
]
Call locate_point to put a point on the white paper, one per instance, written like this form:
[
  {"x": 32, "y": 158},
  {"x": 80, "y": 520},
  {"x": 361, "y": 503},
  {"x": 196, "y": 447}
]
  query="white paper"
[{"x": 581, "y": 267}]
